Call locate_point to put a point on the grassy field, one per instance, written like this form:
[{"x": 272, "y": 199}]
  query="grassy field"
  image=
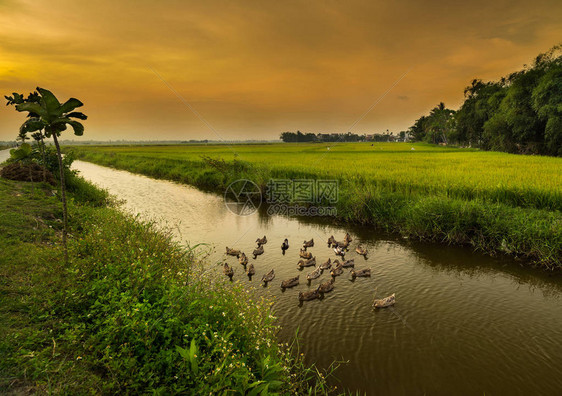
[
  {"x": 130, "y": 314},
  {"x": 495, "y": 202}
]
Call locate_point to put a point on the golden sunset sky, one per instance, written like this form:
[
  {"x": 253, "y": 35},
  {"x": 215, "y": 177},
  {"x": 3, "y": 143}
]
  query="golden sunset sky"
[{"x": 254, "y": 69}]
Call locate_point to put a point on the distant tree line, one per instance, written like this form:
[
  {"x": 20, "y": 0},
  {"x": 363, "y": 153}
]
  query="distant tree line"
[
  {"x": 299, "y": 137},
  {"x": 520, "y": 113}
]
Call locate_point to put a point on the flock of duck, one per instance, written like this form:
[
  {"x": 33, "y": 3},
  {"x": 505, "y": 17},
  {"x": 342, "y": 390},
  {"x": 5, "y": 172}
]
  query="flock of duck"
[{"x": 335, "y": 267}]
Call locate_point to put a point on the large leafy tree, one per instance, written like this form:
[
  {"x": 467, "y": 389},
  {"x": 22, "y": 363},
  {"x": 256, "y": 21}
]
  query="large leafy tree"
[
  {"x": 49, "y": 115},
  {"x": 418, "y": 130},
  {"x": 547, "y": 102},
  {"x": 520, "y": 113},
  {"x": 477, "y": 108},
  {"x": 438, "y": 126},
  {"x": 441, "y": 123},
  {"x": 521, "y": 130}
]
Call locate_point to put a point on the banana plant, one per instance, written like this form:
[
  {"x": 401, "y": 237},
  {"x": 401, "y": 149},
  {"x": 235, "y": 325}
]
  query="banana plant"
[
  {"x": 50, "y": 115},
  {"x": 34, "y": 97}
]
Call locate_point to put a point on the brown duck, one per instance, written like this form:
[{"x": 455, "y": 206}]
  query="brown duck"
[
  {"x": 314, "y": 274},
  {"x": 336, "y": 271},
  {"x": 308, "y": 295},
  {"x": 243, "y": 259},
  {"x": 305, "y": 255},
  {"x": 258, "y": 251},
  {"x": 326, "y": 286},
  {"x": 232, "y": 252},
  {"x": 347, "y": 238},
  {"x": 326, "y": 264},
  {"x": 307, "y": 263},
  {"x": 268, "y": 277},
  {"x": 228, "y": 271},
  {"x": 342, "y": 245},
  {"x": 361, "y": 251},
  {"x": 251, "y": 270},
  {"x": 307, "y": 244},
  {"x": 361, "y": 273},
  {"x": 385, "y": 302},
  {"x": 285, "y": 245},
  {"x": 331, "y": 241},
  {"x": 290, "y": 282},
  {"x": 348, "y": 263},
  {"x": 261, "y": 241}
]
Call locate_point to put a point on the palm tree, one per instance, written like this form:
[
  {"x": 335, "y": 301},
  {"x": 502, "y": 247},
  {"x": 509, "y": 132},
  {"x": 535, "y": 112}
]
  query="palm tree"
[
  {"x": 53, "y": 117},
  {"x": 441, "y": 122}
]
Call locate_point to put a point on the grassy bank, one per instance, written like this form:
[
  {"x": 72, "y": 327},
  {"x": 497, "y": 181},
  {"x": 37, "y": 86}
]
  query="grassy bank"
[
  {"x": 132, "y": 313},
  {"x": 493, "y": 202}
]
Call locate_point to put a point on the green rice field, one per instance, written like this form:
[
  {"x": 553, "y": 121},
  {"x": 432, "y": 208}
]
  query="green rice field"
[{"x": 494, "y": 202}]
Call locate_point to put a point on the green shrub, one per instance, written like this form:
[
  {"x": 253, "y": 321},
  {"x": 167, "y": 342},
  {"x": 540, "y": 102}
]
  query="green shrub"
[{"x": 133, "y": 312}]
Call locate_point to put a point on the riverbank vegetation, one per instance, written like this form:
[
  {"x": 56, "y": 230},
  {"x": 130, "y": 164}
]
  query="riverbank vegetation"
[
  {"x": 132, "y": 312},
  {"x": 520, "y": 113},
  {"x": 493, "y": 202}
]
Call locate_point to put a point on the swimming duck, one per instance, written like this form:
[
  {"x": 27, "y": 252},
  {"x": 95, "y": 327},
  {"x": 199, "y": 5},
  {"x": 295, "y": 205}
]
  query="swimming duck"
[
  {"x": 326, "y": 286},
  {"x": 339, "y": 251},
  {"x": 307, "y": 244},
  {"x": 228, "y": 271},
  {"x": 243, "y": 259},
  {"x": 285, "y": 245},
  {"x": 326, "y": 264},
  {"x": 268, "y": 277},
  {"x": 232, "y": 252},
  {"x": 361, "y": 251},
  {"x": 307, "y": 263},
  {"x": 342, "y": 245},
  {"x": 290, "y": 282},
  {"x": 251, "y": 270},
  {"x": 258, "y": 251},
  {"x": 261, "y": 241},
  {"x": 361, "y": 273},
  {"x": 385, "y": 302},
  {"x": 347, "y": 238},
  {"x": 331, "y": 241},
  {"x": 304, "y": 254},
  {"x": 314, "y": 274},
  {"x": 348, "y": 263},
  {"x": 308, "y": 295},
  {"x": 336, "y": 271}
]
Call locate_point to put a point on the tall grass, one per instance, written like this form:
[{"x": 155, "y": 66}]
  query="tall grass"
[{"x": 494, "y": 202}]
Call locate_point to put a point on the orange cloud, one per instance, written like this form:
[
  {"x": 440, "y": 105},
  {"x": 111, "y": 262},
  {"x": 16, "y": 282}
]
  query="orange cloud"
[{"x": 256, "y": 68}]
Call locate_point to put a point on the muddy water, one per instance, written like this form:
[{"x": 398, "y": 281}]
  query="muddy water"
[{"x": 463, "y": 323}]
